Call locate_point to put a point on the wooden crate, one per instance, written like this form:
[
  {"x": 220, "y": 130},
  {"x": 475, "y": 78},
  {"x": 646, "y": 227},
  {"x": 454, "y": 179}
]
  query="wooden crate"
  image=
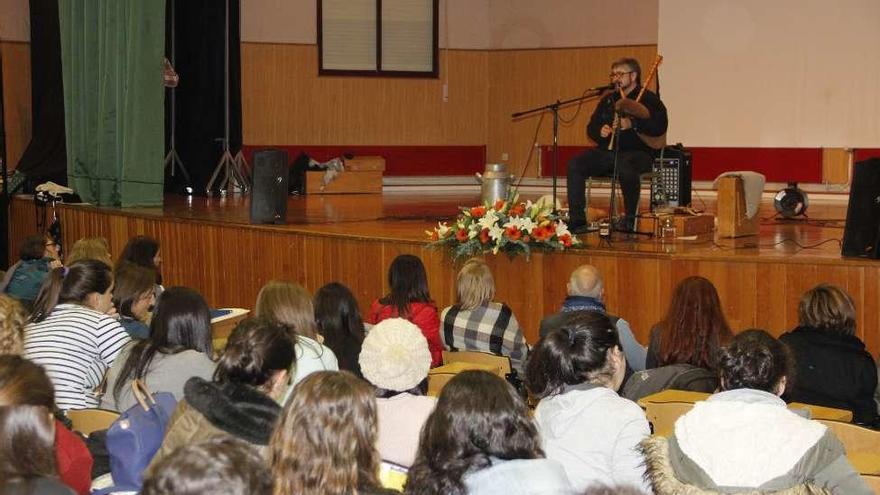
[
  {"x": 365, "y": 163},
  {"x": 348, "y": 182}
]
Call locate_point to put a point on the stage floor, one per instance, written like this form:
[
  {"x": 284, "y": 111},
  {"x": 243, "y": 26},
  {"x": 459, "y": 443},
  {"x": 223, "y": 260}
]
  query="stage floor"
[{"x": 405, "y": 216}]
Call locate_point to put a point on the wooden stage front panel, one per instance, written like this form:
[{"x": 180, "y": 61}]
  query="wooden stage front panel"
[{"x": 209, "y": 245}]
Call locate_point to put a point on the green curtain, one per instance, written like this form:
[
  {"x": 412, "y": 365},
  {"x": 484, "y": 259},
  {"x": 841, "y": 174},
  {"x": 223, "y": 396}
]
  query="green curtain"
[{"x": 111, "y": 57}]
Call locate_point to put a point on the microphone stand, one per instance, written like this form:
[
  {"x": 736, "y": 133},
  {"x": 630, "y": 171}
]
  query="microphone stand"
[
  {"x": 615, "y": 178},
  {"x": 554, "y": 107}
]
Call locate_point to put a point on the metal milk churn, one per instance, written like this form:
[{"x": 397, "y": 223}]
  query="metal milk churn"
[{"x": 494, "y": 182}]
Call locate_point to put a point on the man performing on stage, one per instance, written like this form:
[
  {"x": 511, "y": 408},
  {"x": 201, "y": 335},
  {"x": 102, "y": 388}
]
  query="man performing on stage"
[{"x": 637, "y": 123}]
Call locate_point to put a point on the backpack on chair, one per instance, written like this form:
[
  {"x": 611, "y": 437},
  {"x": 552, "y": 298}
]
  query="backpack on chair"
[{"x": 677, "y": 376}]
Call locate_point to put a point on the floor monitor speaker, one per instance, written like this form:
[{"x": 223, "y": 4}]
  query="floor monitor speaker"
[
  {"x": 862, "y": 232},
  {"x": 269, "y": 193}
]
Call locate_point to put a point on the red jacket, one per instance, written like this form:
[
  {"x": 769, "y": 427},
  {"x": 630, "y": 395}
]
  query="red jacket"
[
  {"x": 73, "y": 459},
  {"x": 423, "y": 315}
]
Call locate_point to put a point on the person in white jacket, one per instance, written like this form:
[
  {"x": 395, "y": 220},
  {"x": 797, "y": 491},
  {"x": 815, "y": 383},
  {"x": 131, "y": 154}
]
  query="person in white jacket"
[{"x": 575, "y": 371}]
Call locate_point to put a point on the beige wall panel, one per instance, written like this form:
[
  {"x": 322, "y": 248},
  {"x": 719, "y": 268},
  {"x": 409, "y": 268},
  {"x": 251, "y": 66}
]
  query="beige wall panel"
[
  {"x": 523, "y": 79},
  {"x": 285, "y": 102},
  {"x": 279, "y": 21},
  {"x": 16, "y": 98}
]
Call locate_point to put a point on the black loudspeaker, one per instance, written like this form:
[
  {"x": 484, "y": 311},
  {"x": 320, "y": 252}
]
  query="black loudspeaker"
[
  {"x": 862, "y": 233},
  {"x": 269, "y": 193}
]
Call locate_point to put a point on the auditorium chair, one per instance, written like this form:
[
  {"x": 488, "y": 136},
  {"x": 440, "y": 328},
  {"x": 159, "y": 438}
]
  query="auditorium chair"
[
  {"x": 436, "y": 382},
  {"x": 86, "y": 421},
  {"x": 663, "y": 415},
  {"x": 501, "y": 364},
  {"x": 862, "y": 445}
]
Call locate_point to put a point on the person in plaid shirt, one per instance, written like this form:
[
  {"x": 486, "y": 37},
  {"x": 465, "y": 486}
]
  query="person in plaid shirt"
[{"x": 476, "y": 323}]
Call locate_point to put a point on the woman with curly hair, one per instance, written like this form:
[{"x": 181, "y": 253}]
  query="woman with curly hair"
[
  {"x": 12, "y": 322},
  {"x": 481, "y": 440},
  {"x": 325, "y": 440}
]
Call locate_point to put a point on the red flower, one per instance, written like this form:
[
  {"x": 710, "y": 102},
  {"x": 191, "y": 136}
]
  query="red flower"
[
  {"x": 461, "y": 235},
  {"x": 478, "y": 211},
  {"x": 484, "y": 236},
  {"x": 518, "y": 210},
  {"x": 527, "y": 239},
  {"x": 435, "y": 236},
  {"x": 499, "y": 204},
  {"x": 566, "y": 240},
  {"x": 542, "y": 233},
  {"x": 513, "y": 233}
]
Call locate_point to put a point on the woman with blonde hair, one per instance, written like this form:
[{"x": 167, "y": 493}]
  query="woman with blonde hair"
[
  {"x": 833, "y": 367},
  {"x": 325, "y": 440},
  {"x": 12, "y": 322},
  {"x": 476, "y": 323},
  {"x": 290, "y": 305},
  {"x": 94, "y": 248}
]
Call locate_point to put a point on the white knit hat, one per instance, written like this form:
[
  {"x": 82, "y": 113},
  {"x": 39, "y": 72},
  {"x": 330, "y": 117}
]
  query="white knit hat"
[{"x": 395, "y": 355}]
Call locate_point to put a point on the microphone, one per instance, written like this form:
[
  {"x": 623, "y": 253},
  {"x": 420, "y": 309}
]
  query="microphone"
[{"x": 603, "y": 88}]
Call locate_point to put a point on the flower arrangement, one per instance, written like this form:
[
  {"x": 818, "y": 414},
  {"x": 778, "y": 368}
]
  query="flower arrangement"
[{"x": 510, "y": 226}]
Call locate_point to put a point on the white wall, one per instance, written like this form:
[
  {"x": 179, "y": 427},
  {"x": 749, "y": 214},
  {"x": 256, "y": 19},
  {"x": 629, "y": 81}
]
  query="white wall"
[{"x": 781, "y": 73}]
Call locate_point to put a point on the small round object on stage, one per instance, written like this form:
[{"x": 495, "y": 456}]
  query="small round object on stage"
[{"x": 791, "y": 201}]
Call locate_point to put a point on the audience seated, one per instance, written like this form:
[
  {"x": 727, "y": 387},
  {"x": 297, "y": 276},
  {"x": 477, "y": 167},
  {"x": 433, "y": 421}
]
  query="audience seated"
[
  {"x": 409, "y": 298},
  {"x": 90, "y": 248},
  {"x": 143, "y": 250},
  {"x": 339, "y": 321},
  {"x": 23, "y": 383},
  {"x": 178, "y": 349},
  {"x": 586, "y": 290},
  {"x": 575, "y": 371},
  {"x": 325, "y": 441},
  {"x": 242, "y": 399},
  {"x": 290, "y": 305},
  {"x": 133, "y": 296},
  {"x": 744, "y": 439},
  {"x": 395, "y": 358},
  {"x": 477, "y": 323},
  {"x": 218, "y": 466},
  {"x": 70, "y": 333},
  {"x": 481, "y": 440},
  {"x": 12, "y": 321},
  {"x": 23, "y": 279},
  {"x": 833, "y": 367}
]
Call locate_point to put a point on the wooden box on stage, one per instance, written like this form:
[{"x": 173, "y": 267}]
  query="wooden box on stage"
[
  {"x": 362, "y": 175},
  {"x": 732, "y": 218},
  {"x": 688, "y": 225}
]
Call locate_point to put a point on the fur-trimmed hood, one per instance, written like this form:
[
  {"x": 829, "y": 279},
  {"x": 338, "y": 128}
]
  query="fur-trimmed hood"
[
  {"x": 664, "y": 480},
  {"x": 237, "y": 409}
]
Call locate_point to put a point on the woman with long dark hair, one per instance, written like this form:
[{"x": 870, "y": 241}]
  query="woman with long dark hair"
[
  {"x": 340, "y": 323},
  {"x": 70, "y": 333},
  {"x": 27, "y": 460},
  {"x": 133, "y": 295},
  {"x": 178, "y": 349},
  {"x": 744, "y": 439},
  {"x": 694, "y": 327},
  {"x": 480, "y": 439},
  {"x": 143, "y": 250},
  {"x": 325, "y": 441},
  {"x": 409, "y": 298},
  {"x": 575, "y": 371},
  {"x": 23, "y": 383}
]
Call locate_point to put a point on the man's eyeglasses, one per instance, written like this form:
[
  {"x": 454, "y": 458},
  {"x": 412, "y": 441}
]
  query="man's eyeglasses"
[{"x": 619, "y": 74}]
